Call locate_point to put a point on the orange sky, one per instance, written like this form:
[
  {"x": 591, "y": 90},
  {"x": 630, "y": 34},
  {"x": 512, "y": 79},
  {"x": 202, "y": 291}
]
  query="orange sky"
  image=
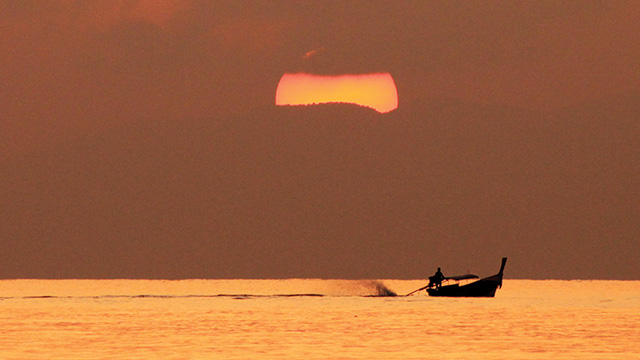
[
  {"x": 527, "y": 100},
  {"x": 75, "y": 60}
]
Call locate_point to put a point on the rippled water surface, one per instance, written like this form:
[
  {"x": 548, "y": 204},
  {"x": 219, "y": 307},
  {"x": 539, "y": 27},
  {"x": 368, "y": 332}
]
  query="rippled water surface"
[{"x": 314, "y": 319}]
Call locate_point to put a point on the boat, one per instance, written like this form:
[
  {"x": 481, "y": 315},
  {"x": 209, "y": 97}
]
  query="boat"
[{"x": 485, "y": 287}]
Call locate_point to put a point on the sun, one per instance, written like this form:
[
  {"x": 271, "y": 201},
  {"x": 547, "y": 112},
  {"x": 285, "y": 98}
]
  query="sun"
[{"x": 377, "y": 91}]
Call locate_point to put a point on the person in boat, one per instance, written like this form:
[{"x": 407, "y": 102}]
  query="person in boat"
[{"x": 436, "y": 279}]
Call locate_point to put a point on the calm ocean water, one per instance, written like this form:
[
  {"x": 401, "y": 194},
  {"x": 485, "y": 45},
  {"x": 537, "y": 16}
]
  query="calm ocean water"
[{"x": 332, "y": 319}]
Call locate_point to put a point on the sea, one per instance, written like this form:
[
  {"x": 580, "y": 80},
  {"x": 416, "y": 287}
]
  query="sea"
[{"x": 315, "y": 319}]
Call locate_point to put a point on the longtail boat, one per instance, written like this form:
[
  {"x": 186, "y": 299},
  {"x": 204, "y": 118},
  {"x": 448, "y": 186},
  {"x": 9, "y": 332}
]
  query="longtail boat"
[{"x": 485, "y": 287}]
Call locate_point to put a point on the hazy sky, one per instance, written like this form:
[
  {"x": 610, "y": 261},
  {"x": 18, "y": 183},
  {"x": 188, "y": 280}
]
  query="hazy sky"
[{"x": 140, "y": 139}]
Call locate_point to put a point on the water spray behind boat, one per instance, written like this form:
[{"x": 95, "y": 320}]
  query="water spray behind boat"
[{"x": 379, "y": 288}]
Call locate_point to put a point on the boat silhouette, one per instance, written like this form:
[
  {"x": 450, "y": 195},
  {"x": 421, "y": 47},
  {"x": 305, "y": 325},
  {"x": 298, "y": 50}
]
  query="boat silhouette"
[{"x": 485, "y": 287}]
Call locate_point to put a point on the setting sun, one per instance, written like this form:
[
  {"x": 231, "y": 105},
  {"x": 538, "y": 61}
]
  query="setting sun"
[{"x": 376, "y": 91}]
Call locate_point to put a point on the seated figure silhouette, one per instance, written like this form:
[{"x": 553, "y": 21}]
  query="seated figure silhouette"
[{"x": 436, "y": 279}]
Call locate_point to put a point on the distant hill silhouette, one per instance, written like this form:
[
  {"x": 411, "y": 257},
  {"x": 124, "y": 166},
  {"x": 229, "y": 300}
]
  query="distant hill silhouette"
[{"x": 329, "y": 108}]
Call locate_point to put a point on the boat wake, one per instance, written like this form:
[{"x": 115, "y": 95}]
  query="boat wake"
[
  {"x": 234, "y": 296},
  {"x": 196, "y": 288},
  {"x": 380, "y": 290}
]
